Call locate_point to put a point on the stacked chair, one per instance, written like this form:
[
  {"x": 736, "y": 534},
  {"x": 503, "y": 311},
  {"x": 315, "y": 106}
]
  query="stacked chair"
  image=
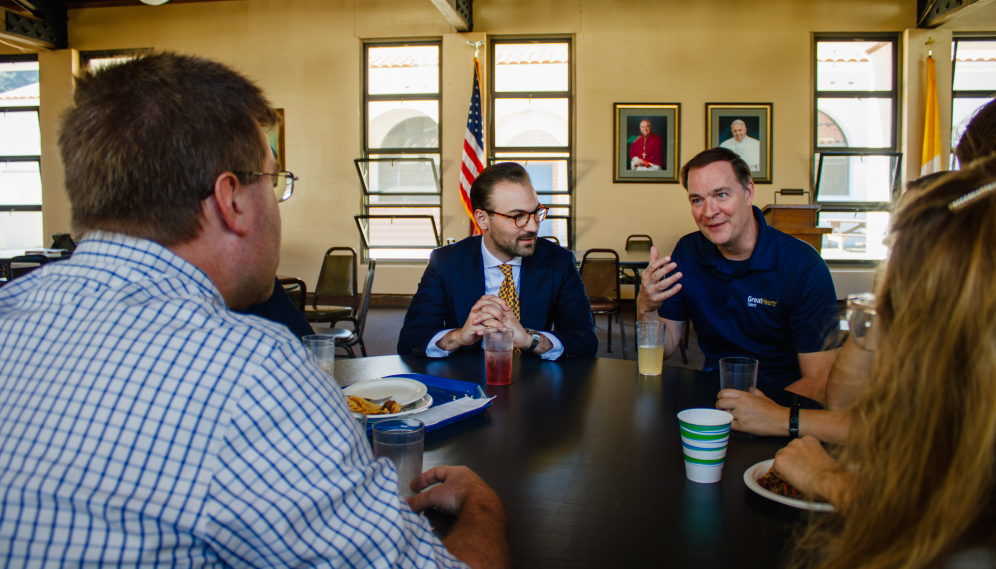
[
  {"x": 600, "y": 275},
  {"x": 336, "y": 281}
]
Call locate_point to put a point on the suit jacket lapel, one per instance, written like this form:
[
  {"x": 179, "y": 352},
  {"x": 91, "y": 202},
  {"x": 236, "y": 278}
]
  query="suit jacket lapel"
[
  {"x": 535, "y": 290},
  {"x": 468, "y": 281}
]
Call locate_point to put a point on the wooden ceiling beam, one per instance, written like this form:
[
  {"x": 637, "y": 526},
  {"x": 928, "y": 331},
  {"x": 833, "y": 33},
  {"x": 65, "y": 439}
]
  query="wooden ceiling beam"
[
  {"x": 933, "y": 13},
  {"x": 459, "y": 13},
  {"x": 39, "y": 23}
]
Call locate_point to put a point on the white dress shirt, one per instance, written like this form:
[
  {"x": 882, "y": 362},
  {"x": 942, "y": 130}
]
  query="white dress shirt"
[{"x": 493, "y": 277}]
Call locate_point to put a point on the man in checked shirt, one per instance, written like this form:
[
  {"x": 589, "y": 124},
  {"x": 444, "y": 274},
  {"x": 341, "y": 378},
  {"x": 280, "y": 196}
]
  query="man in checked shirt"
[{"x": 143, "y": 422}]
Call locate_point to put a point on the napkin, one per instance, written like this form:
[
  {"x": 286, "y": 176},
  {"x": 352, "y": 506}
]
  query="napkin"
[{"x": 441, "y": 413}]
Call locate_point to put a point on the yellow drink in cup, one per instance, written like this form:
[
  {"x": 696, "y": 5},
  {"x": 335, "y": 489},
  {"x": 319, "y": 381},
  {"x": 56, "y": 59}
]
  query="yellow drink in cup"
[
  {"x": 650, "y": 346},
  {"x": 651, "y": 359}
]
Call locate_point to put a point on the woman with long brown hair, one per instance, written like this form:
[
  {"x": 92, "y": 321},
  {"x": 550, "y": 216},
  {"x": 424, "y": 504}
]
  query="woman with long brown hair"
[{"x": 915, "y": 484}]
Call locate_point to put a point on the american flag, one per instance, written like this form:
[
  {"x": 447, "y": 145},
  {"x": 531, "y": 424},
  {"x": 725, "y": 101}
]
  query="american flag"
[{"x": 473, "y": 148}]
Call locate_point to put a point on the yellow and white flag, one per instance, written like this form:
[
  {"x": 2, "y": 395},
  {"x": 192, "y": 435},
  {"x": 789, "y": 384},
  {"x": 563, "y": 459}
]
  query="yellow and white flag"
[{"x": 931, "y": 126}]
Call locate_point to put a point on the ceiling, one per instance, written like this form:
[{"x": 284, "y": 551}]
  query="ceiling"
[{"x": 980, "y": 16}]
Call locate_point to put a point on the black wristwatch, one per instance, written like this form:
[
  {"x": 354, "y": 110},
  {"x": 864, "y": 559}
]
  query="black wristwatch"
[
  {"x": 536, "y": 339},
  {"x": 794, "y": 421}
]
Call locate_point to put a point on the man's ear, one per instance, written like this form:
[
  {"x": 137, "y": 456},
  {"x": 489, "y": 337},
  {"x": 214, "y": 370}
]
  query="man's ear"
[
  {"x": 482, "y": 218},
  {"x": 230, "y": 199},
  {"x": 749, "y": 190}
]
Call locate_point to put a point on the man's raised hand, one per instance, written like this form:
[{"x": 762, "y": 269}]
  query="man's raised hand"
[{"x": 654, "y": 288}]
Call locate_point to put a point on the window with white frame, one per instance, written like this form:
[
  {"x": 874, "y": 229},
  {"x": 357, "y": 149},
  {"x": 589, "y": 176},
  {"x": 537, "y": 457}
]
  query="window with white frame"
[
  {"x": 531, "y": 110},
  {"x": 402, "y": 100},
  {"x": 857, "y": 163},
  {"x": 20, "y": 154},
  {"x": 973, "y": 59}
]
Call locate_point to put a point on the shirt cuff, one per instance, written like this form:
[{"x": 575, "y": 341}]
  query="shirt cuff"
[
  {"x": 434, "y": 351},
  {"x": 555, "y": 352}
]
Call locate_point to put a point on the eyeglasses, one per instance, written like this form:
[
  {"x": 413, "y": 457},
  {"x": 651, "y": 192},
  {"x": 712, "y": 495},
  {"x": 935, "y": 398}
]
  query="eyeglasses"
[
  {"x": 860, "y": 316},
  {"x": 523, "y": 218},
  {"x": 283, "y": 183}
]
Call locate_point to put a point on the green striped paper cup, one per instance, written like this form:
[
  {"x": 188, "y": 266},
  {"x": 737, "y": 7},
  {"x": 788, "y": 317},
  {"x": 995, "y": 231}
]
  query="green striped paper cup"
[{"x": 705, "y": 434}]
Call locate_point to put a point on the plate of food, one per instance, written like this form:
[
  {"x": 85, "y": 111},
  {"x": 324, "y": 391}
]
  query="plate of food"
[
  {"x": 401, "y": 390},
  {"x": 388, "y": 409},
  {"x": 771, "y": 486}
]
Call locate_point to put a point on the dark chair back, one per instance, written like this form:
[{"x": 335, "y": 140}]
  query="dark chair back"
[
  {"x": 639, "y": 243},
  {"x": 367, "y": 287},
  {"x": 600, "y": 273},
  {"x": 551, "y": 238},
  {"x": 63, "y": 241},
  {"x": 35, "y": 260},
  {"x": 296, "y": 289},
  {"x": 338, "y": 278}
]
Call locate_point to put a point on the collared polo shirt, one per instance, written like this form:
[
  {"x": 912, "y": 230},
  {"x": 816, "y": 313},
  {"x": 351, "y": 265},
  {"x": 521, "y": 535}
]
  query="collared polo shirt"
[{"x": 781, "y": 304}]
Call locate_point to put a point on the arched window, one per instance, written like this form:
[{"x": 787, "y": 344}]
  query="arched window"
[
  {"x": 415, "y": 132},
  {"x": 836, "y": 171}
]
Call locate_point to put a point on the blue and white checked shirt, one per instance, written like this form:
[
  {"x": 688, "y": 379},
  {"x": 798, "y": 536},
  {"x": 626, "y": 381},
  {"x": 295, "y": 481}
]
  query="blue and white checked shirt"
[{"x": 142, "y": 422}]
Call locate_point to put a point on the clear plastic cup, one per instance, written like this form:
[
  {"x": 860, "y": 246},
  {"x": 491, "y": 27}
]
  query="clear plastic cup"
[
  {"x": 738, "y": 373},
  {"x": 498, "y": 356},
  {"x": 321, "y": 347},
  {"x": 402, "y": 441},
  {"x": 650, "y": 346}
]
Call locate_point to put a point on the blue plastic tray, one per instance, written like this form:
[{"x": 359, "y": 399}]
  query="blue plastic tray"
[{"x": 444, "y": 390}]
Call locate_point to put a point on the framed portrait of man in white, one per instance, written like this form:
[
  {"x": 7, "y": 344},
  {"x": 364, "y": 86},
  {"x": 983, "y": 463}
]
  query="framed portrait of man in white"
[
  {"x": 744, "y": 128},
  {"x": 646, "y": 142}
]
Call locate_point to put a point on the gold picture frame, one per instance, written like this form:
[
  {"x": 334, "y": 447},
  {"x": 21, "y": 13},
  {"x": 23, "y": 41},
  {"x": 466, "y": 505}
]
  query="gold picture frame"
[
  {"x": 664, "y": 120},
  {"x": 755, "y": 128}
]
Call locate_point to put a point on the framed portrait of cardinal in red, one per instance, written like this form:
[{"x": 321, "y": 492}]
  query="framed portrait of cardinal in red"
[{"x": 646, "y": 142}]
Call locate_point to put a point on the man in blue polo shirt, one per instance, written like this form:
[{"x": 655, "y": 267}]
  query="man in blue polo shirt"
[{"x": 749, "y": 289}]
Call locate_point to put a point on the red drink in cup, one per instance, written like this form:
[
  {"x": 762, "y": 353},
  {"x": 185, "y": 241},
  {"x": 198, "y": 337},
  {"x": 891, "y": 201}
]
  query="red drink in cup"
[
  {"x": 498, "y": 356},
  {"x": 498, "y": 366}
]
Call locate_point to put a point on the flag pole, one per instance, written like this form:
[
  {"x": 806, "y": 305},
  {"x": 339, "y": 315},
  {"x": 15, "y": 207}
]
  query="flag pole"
[{"x": 473, "y": 159}]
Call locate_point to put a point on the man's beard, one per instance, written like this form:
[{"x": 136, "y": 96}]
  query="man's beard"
[{"x": 509, "y": 244}]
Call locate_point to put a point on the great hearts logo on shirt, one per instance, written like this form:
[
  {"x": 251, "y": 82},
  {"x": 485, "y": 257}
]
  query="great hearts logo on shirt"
[{"x": 752, "y": 302}]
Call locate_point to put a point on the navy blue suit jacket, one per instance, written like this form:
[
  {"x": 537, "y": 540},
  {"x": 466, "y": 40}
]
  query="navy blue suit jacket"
[{"x": 551, "y": 295}]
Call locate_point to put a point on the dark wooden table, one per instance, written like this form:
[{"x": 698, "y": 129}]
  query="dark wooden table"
[{"x": 586, "y": 456}]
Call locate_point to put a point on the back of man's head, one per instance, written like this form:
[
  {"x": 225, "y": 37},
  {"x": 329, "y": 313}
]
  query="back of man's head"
[
  {"x": 718, "y": 154},
  {"x": 145, "y": 140},
  {"x": 483, "y": 186},
  {"x": 979, "y": 139}
]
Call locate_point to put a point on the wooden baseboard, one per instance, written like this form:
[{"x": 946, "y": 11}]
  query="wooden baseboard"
[{"x": 399, "y": 300}]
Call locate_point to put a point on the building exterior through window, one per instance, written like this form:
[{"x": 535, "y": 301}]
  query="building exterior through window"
[
  {"x": 20, "y": 154},
  {"x": 532, "y": 106},
  {"x": 857, "y": 163}
]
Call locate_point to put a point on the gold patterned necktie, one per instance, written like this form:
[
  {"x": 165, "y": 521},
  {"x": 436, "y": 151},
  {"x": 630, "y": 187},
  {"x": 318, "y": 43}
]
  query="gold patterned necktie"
[{"x": 508, "y": 293}]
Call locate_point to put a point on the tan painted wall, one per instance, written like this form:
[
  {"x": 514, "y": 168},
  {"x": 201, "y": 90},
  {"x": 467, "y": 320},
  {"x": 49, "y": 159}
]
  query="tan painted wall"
[
  {"x": 56, "y": 70},
  {"x": 307, "y": 55}
]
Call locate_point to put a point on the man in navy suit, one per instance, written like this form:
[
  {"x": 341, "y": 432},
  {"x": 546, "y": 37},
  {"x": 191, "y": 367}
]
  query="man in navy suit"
[{"x": 475, "y": 284}]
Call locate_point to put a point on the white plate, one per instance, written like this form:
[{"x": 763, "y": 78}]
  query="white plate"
[
  {"x": 422, "y": 405},
  {"x": 400, "y": 389},
  {"x": 762, "y": 468}
]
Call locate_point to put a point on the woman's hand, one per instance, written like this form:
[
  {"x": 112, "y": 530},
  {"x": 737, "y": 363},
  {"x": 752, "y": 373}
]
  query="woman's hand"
[
  {"x": 807, "y": 466},
  {"x": 754, "y": 413}
]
